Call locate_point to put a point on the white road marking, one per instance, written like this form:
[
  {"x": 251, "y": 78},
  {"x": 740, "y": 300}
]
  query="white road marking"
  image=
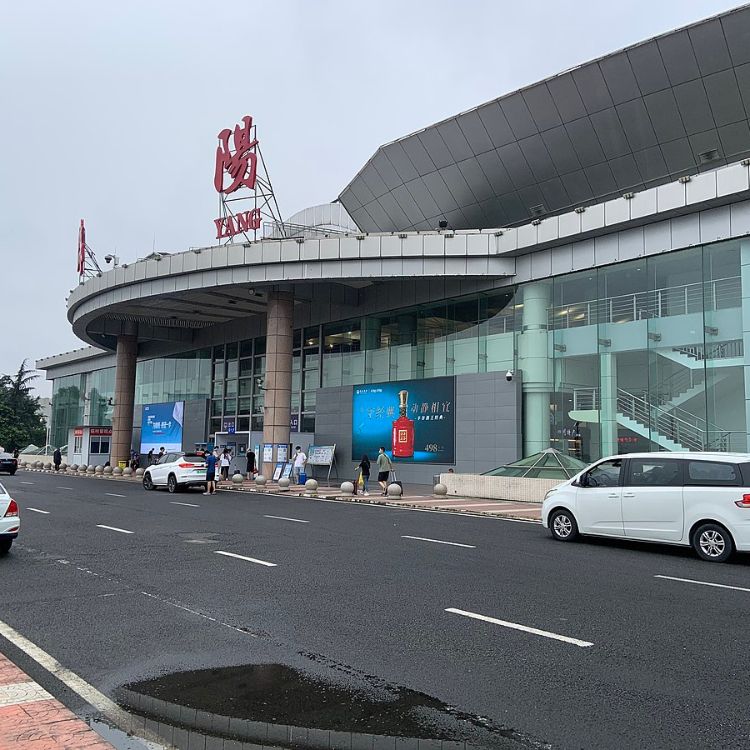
[
  {"x": 439, "y": 541},
  {"x": 524, "y": 628},
  {"x": 113, "y": 494},
  {"x": 704, "y": 583},
  {"x": 64, "y": 488},
  {"x": 188, "y": 505},
  {"x": 27, "y": 483},
  {"x": 114, "y": 528},
  {"x": 242, "y": 557},
  {"x": 200, "y": 614},
  {"x": 36, "y": 510},
  {"x": 284, "y": 518},
  {"x": 77, "y": 684}
]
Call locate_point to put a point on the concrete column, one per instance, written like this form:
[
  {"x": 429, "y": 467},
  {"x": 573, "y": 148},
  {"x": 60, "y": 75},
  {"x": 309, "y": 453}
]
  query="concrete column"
[
  {"x": 122, "y": 413},
  {"x": 608, "y": 403},
  {"x": 278, "y": 382},
  {"x": 745, "y": 280},
  {"x": 536, "y": 367}
]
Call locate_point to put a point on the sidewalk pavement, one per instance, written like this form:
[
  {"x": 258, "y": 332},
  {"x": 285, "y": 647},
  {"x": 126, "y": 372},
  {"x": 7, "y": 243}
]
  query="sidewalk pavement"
[
  {"x": 31, "y": 719},
  {"x": 417, "y": 496}
]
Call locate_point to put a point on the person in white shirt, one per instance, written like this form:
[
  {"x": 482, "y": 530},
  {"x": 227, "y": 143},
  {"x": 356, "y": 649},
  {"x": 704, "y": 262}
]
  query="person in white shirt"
[
  {"x": 299, "y": 463},
  {"x": 224, "y": 461}
]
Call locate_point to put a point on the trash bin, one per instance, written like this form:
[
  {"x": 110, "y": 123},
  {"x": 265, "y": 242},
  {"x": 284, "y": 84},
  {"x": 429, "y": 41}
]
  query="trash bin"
[
  {"x": 302, "y": 477},
  {"x": 122, "y": 464}
]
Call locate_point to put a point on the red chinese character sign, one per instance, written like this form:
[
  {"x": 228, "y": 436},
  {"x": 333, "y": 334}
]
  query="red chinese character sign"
[
  {"x": 86, "y": 264},
  {"x": 242, "y": 182}
]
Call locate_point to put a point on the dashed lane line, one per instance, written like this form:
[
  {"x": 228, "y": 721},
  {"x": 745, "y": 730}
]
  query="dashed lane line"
[
  {"x": 187, "y": 505},
  {"x": 523, "y": 628},
  {"x": 284, "y": 518},
  {"x": 114, "y": 528},
  {"x": 248, "y": 559},
  {"x": 439, "y": 541},
  {"x": 703, "y": 583},
  {"x": 27, "y": 483},
  {"x": 37, "y": 510},
  {"x": 64, "y": 488},
  {"x": 114, "y": 494}
]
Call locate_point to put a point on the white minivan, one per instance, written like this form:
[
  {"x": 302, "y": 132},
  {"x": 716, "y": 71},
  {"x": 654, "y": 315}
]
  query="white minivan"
[{"x": 690, "y": 499}]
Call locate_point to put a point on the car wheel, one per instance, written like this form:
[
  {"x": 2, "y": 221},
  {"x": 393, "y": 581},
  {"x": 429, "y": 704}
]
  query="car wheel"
[
  {"x": 5, "y": 545},
  {"x": 148, "y": 483},
  {"x": 713, "y": 542},
  {"x": 563, "y": 526},
  {"x": 172, "y": 485}
]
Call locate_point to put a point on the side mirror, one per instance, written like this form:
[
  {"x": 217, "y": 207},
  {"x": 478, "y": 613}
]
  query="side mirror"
[{"x": 583, "y": 480}]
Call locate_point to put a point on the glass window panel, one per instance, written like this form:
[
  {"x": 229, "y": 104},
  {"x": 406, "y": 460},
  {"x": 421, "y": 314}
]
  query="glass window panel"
[
  {"x": 309, "y": 400},
  {"x": 256, "y": 422},
  {"x": 232, "y": 370},
  {"x": 246, "y": 387},
  {"x": 218, "y": 388},
  {"x": 260, "y": 345},
  {"x": 216, "y": 408},
  {"x": 230, "y": 406},
  {"x": 308, "y": 423},
  {"x": 245, "y": 405},
  {"x": 246, "y": 367},
  {"x": 219, "y": 352},
  {"x": 243, "y": 424},
  {"x": 232, "y": 350},
  {"x": 655, "y": 472},
  {"x": 709, "y": 474},
  {"x": 231, "y": 388},
  {"x": 311, "y": 379},
  {"x": 246, "y": 348}
]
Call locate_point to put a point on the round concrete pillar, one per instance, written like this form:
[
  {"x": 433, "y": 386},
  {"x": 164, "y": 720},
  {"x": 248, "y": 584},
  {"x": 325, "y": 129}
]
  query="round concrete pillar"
[
  {"x": 122, "y": 413},
  {"x": 278, "y": 381}
]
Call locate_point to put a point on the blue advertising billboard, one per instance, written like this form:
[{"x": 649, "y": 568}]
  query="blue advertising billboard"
[
  {"x": 413, "y": 419},
  {"x": 161, "y": 426}
]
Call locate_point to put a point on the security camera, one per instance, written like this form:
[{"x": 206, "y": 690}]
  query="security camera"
[
  {"x": 109, "y": 258},
  {"x": 509, "y": 375}
]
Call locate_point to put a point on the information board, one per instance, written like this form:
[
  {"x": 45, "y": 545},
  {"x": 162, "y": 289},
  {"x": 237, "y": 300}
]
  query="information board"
[
  {"x": 320, "y": 455},
  {"x": 267, "y": 453},
  {"x": 277, "y": 472},
  {"x": 282, "y": 452}
]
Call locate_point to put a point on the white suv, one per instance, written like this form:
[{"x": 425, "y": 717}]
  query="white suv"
[
  {"x": 690, "y": 499},
  {"x": 176, "y": 471},
  {"x": 10, "y": 521}
]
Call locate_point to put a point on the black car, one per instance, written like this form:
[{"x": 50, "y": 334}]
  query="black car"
[{"x": 8, "y": 464}]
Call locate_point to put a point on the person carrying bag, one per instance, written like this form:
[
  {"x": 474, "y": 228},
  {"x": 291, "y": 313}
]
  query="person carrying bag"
[{"x": 364, "y": 475}]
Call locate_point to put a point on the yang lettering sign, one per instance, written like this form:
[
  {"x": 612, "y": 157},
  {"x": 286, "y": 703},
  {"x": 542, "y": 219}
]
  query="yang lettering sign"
[{"x": 236, "y": 167}]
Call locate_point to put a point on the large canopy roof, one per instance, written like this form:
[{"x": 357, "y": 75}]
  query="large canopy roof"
[{"x": 643, "y": 116}]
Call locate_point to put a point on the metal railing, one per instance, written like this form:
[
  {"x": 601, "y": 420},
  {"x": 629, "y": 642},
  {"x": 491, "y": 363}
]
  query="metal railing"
[
  {"x": 722, "y": 350},
  {"x": 698, "y": 297}
]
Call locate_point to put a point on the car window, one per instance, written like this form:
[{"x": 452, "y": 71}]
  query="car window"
[
  {"x": 709, "y": 473},
  {"x": 654, "y": 472},
  {"x": 164, "y": 459},
  {"x": 606, "y": 474}
]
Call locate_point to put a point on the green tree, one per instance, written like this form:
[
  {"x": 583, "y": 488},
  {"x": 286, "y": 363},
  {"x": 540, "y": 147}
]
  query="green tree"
[{"x": 21, "y": 422}]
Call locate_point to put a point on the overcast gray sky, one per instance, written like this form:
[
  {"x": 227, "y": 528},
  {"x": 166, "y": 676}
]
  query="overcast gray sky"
[{"x": 110, "y": 111}]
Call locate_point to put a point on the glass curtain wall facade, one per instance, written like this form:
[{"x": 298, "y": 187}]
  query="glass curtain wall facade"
[{"x": 642, "y": 355}]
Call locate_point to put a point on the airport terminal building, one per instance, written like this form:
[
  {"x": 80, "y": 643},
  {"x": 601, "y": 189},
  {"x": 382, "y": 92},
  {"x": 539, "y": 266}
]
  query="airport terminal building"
[{"x": 566, "y": 266}]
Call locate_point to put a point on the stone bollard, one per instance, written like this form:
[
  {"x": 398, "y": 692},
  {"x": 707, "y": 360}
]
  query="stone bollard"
[
  {"x": 237, "y": 478},
  {"x": 91, "y": 469},
  {"x": 260, "y": 481},
  {"x": 74, "y": 467},
  {"x": 139, "y": 472},
  {"x": 127, "y": 471},
  {"x": 63, "y": 467},
  {"x": 347, "y": 488},
  {"x": 394, "y": 490},
  {"x": 284, "y": 484},
  {"x": 311, "y": 485},
  {"x": 440, "y": 490},
  {"x": 117, "y": 471},
  {"x": 107, "y": 470},
  {"x": 98, "y": 470}
]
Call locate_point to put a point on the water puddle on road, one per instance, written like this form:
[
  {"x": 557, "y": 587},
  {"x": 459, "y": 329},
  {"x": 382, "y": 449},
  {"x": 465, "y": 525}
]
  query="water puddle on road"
[{"x": 279, "y": 706}]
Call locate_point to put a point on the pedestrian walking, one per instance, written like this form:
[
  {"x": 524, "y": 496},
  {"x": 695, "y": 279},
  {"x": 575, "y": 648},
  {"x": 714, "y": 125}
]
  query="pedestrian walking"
[
  {"x": 364, "y": 475},
  {"x": 57, "y": 459},
  {"x": 150, "y": 457},
  {"x": 384, "y": 469},
  {"x": 226, "y": 459},
  {"x": 161, "y": 454},
  {"x": 300, "y": 459},
  {"x": 251, "y": 465},
  {"x": 210, "y": 474}
]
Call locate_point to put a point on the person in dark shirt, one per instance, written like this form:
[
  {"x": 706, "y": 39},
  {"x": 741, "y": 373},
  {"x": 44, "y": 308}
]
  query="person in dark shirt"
[
  {"x": 210, "y": 474},
  {"x": 250, "y": 465}
]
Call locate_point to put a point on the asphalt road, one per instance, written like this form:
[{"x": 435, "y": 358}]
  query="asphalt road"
[{"x": 351, "y": 590}]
